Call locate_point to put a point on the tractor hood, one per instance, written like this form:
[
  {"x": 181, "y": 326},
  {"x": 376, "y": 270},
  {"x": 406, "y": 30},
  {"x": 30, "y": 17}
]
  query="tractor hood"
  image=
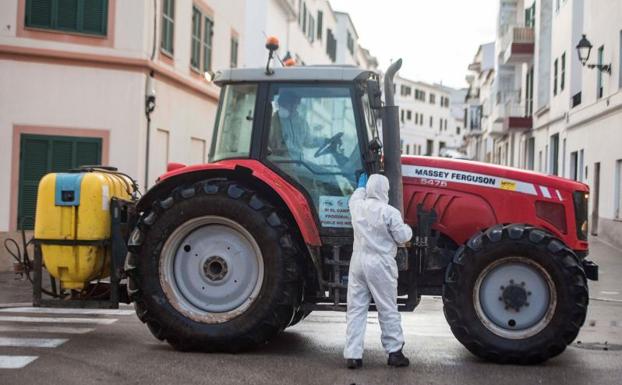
[{"x": 465, "y": 171}]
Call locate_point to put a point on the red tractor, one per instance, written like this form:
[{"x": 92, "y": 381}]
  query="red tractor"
[{"x": 225, "y": 255}]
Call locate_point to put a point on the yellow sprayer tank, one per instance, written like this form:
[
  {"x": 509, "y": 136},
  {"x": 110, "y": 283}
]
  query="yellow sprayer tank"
[{"x": 76, "y": 207}]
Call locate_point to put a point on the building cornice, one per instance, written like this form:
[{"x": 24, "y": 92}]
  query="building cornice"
[{"x": 114, "y": 62}]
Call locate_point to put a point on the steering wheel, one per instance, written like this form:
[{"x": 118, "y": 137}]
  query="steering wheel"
[{"x": 330, "y": 146}]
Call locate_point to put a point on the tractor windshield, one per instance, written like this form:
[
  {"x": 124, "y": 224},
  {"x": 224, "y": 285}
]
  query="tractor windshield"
[{"x": 314, "y": 140}]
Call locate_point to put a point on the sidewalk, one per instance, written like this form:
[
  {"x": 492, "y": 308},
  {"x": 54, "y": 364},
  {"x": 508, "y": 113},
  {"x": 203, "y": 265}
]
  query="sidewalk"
[{"x": 609, "y": 259}]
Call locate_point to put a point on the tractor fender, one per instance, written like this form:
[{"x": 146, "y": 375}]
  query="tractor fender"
[{"x": 250, "y": 172}]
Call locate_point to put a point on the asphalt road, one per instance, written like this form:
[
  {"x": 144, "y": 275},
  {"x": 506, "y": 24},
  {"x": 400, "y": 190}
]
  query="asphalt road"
[{"x": 115, "y": 348}]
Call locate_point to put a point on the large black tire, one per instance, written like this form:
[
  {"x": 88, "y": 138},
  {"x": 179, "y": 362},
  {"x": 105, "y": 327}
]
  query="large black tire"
[
  {"x": 543, "y": 249},
  {"x": 279, "y": 296}
]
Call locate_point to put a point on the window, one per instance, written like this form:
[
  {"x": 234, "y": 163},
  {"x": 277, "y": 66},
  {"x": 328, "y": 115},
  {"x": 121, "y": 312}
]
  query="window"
[
  {"x": 581, "y": 164},
  {"x": 195, "y": 52},
  {"x": 85, "y": 17},
  {"x": 432, "y": 98},
  {"x": 350, "y": 42},
  {"x": 555, "y": 77},
  {"x": 554, "y": 169},
  {"x": 208, "y": 34},
  {"x": 42, "y": 154},
  {"x": 331, "y": 45},
  {"x": 431, "y": 122},
  {"x": 562, "y": 79},
  {"x": 429, "y": 147},
  {"x": 234, "y": 51},
  {"x": 599, "y": 74},
  {"x": 444, "y": 101},
  {"x": 407, "y": 149},
  {"x": 232, "y": 137},
  {"x": 457, "y": 130},
  {"x": 311, "y": 29},
  {"x": 168, "y": 26},
  {"x": 320, "y": 22},
  {"x": 297, "y": 143},
  {"x": 530, "y": 16},
  {"x": 420, "y": 95},
  {"x": 405, "y": 90},
  {"x": 402, "y": 115},
  {"x": 304, "y": 17},
  {"x": 409, "y": 115},
  {"x": 574, "y": 165},
  {"x": 421, "y": 119}
]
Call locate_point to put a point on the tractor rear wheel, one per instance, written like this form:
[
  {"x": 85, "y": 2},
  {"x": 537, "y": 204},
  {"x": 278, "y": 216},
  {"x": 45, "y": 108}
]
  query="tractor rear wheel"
[
  {"x": 515, "y": 294},
  {"x": 213, "y": 267}
]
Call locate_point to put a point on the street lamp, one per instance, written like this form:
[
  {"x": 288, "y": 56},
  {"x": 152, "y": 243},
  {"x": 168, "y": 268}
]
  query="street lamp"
[{"x": 584, "y": 48}]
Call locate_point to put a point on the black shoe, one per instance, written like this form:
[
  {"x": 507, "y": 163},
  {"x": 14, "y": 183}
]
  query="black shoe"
[
  {"x": 397, "y": 359},
  {"x": 352, "y": 363}
]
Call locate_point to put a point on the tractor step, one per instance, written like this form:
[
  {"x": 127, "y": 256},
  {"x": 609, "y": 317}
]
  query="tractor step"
[{"x": 403, "y": 305}]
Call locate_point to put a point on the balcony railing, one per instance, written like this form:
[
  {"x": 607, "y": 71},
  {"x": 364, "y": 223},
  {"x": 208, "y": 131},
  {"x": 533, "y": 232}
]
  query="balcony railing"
[{"x": 518, "y": 44}]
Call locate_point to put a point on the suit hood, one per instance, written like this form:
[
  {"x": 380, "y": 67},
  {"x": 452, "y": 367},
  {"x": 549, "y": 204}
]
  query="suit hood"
[{"x": 378, "y": 188}]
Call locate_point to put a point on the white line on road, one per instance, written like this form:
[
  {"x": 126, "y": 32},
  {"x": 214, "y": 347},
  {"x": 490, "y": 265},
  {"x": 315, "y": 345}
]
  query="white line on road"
[
  {"x": 52, "y": 310},
  {"x": 45, "y": 329},
  {"x": 32, "y": 342},
  {"x": 605, "y": 292},
  {"x": 101, "y": 321},
  {"x": 15, "y": 362}
]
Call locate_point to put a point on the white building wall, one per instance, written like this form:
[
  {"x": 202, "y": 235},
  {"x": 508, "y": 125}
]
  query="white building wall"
[{"x": 414, "y": 135}]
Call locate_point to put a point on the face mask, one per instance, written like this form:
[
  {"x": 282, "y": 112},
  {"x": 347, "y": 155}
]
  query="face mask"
[{"x": 283, "y": 113}]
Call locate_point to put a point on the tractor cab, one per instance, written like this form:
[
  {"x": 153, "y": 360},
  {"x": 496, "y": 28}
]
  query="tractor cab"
[{"x": 313, "y": 126}]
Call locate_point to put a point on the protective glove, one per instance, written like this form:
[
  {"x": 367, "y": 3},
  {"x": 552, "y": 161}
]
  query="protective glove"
[{"x": 362, "y": 180}]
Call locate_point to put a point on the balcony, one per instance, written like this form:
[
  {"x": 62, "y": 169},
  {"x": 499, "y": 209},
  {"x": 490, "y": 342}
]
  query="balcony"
[
  {"x": 518, "y": 45},
  {"x": 516, "y": 117}
]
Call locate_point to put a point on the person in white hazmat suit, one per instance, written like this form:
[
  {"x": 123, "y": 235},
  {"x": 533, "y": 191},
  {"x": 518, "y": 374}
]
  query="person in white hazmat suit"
[{"x": 378, "y": 230}]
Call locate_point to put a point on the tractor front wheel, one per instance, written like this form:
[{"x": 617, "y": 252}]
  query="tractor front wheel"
[
  {"x": 515, "y": 294},
  {"x": 213, "y": 267}
]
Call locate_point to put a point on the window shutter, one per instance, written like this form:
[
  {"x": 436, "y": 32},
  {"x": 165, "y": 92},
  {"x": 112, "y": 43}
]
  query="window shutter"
[
  {"x": 67, "y": 15},
  {"x": 95, "y": 17},
  {"x": 88, "y": 153},
  {"x": 39, "y": 13},
  {"x": 33, "y": 167},
  {"x": 62, "y": 155}
]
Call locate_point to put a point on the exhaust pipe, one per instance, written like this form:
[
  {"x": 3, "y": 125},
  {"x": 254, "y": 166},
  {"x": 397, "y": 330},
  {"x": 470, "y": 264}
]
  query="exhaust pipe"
[{"x": 391, "y": 140}]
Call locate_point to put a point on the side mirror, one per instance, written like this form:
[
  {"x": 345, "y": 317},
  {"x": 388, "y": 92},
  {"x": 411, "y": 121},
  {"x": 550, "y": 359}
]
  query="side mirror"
[{"x": 374, "y": 94}]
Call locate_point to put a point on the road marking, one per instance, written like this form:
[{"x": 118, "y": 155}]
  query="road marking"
[
  {"x": 101, "y": 321},
  {"x": 15, "y": 362},
  {"x": 45, "y": 329},
  {"x": 32, "y": 342},
  {"x": 53, "y": 310},
  {"x": 609, "y": 292}
]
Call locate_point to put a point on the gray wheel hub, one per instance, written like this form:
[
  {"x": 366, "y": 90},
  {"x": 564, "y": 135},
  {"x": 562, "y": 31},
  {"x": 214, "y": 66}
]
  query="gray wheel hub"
[
  {"x": 514, "y": 297},
  {"x": 211, "y": 269}
]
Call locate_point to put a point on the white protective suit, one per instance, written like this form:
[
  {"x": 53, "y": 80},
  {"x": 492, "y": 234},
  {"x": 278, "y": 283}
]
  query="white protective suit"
[{"x": 378, "y": 229}]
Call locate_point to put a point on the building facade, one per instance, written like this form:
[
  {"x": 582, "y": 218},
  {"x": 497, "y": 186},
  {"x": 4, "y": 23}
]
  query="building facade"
[
  {"x": 427, "y": 125},
  {"x": 75, "y": 81},
  {"x": 309, "y": 31},
  {"x": 556, "y": 115}
]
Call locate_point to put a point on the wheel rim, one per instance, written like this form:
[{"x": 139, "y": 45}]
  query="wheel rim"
[
  {"x": 211, "y": 269},
  {"x": 514, "y": 297}
]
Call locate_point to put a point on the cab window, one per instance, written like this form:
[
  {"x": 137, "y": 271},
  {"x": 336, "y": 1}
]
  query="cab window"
[{"x": 232, "y": 136}]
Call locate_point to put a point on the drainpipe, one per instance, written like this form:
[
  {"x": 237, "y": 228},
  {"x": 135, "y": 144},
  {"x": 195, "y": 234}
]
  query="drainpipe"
[{"x": 150, "y": 103}]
